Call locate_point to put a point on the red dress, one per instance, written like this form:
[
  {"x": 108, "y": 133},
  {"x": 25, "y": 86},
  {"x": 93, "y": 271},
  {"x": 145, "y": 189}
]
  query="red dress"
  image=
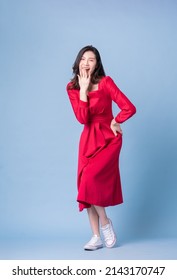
[{"x": 98, "y": 177}]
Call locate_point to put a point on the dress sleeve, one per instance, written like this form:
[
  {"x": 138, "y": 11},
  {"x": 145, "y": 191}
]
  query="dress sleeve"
[
  {"x": 127, "y": 109},
  {"x": 80, "y": 108}
]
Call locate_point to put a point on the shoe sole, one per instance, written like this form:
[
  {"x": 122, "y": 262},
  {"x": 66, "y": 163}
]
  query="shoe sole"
[{"x": 93, "y": 248}]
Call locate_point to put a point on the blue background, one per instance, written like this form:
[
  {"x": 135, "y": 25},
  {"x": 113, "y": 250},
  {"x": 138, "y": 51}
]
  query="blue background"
[{"x": 39, "y": 134}]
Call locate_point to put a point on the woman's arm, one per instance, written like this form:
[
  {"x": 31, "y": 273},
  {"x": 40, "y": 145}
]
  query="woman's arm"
[
  {"x": 127, "y": 109},
  {"x": 80, "y": 107}
]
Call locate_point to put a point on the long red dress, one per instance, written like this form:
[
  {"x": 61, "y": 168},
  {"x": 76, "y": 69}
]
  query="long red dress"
[{"x": 98, "y": 177}]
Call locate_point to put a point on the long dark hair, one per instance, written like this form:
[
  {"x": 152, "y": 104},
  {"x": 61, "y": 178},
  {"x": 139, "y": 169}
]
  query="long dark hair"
[{"x": 98, "y": 72}]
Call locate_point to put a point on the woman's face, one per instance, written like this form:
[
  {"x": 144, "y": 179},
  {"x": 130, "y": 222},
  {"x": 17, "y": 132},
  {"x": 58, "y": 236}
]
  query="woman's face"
[{"x": 88, "y": 63}]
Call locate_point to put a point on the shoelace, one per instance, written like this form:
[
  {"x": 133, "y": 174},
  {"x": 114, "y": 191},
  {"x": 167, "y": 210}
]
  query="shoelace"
[
  {"x": 108, "y": 234},
  {"x": 93, "y": 240}
]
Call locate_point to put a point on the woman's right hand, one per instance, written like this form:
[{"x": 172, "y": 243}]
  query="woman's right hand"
[{"x": 84, "y": 80}]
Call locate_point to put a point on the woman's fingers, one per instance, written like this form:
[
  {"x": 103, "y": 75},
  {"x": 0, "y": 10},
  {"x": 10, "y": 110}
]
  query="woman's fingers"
[
  {"x": 84, "y": 73},
  {"x": 118, "y": 128},
  {"x": 84, "y": 79},
  {"x": 114, "y": 131}
]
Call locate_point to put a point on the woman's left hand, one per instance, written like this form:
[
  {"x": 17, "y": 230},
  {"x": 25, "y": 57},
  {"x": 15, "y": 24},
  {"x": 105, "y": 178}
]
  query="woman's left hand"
[{"x": 115, "y": 127}]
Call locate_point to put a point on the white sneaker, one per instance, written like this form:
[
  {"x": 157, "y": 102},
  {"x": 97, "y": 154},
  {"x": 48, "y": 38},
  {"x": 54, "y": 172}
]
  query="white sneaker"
[
  {"x": 94, "y": 243},
  {"x": 109, "y": 235}
]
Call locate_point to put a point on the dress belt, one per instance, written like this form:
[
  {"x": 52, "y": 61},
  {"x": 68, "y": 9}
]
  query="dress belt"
[{"x": 100, "y": 119}]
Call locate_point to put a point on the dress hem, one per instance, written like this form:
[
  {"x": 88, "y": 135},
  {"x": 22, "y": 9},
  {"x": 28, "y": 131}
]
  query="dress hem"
[{"x": 85, "y": 205}]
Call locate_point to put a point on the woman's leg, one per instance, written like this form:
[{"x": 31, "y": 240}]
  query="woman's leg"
[
  {"x": 102, "y": 215},
  {"x": 95, "y": 242},
  {"x": 96, "y": 214},
  {"x": 106, "y": 227},
  {"x": 94, "y": 220}
]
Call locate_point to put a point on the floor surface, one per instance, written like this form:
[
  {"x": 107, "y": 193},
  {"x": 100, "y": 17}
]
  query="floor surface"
[{"x": 65, "y": 249}]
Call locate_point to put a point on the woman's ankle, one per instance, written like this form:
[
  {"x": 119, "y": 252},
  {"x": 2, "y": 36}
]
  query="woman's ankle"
[{"x": 104, "y": 222}]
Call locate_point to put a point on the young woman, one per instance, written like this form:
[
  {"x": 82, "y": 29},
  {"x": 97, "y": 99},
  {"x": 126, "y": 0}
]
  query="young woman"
[{"x": 91, "y": 93}]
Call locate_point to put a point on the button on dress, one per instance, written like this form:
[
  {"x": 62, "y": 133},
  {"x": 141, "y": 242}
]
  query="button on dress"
[{"x": 98, "y": 176}]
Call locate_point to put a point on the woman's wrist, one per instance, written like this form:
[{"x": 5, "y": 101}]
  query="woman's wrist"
[
  {"x": 83, "y": 95},
  {"x": 114, "y": 121}
]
